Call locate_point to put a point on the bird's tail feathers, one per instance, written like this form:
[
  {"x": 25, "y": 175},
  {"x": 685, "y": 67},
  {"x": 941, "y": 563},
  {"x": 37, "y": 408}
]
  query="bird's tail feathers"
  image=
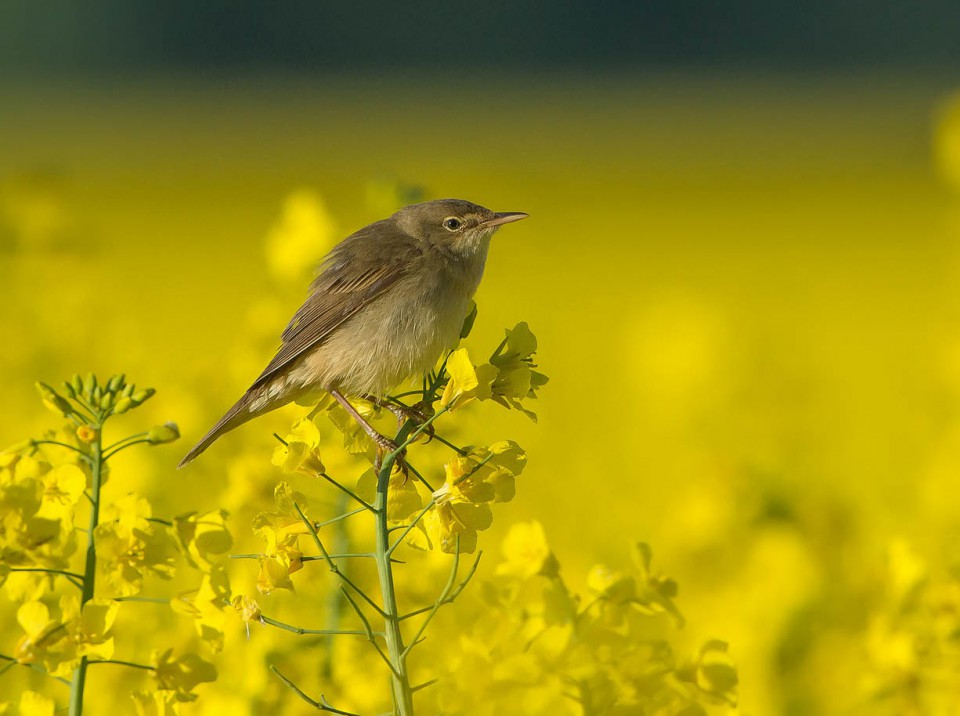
[{"x": 248, "y": 407}]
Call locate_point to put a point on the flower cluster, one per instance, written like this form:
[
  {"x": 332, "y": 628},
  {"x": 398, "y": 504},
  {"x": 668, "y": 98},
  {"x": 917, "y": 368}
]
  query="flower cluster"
[
  {"x": 912, "y": 638},
  {"x": 37, "y": 505},
  {"x": 531, "y": 645},
  {"x": 68, "y": 606},
  {"x": 508, "y": 378},
  {"x": 461, "y": 506}
]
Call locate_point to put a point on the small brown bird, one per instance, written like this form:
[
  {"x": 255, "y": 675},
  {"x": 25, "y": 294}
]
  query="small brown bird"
[{"x": 387, "y": 302}]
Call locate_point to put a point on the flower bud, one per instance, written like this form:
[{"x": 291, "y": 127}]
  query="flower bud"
[
  {"x": 54, "y": 401},
  {"x": 122, "y": 405},
  {"x": 68, "y": 389},
  {"x": 89, "y": 383},
  {"x": 77, "y": 383},
  {"x": 116, "y": 383},
  {"x": 142, "y": 396},
  {"x": 166, "y": 433},
  {"x": 128, "y": 390}
]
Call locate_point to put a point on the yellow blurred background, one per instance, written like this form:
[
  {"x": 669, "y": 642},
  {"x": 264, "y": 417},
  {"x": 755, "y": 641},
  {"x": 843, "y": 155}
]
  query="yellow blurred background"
[{"x": 744, "y": 289}]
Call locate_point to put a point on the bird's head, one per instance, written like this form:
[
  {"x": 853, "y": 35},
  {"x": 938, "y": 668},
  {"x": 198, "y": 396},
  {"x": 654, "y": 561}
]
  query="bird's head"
[{"x": 454, "y": 224}]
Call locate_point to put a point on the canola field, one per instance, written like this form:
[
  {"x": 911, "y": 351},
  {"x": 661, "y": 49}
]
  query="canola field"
[{"x": 744, "y": 292}]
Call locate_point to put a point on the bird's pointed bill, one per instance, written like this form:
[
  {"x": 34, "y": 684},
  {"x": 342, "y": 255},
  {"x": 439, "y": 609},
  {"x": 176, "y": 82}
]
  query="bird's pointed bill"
[{"x": 505, "y": 217}]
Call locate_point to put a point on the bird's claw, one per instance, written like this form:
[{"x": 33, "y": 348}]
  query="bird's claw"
[
  {"x": 385, "y": 446},
  {"x": 418, "y": 414}
]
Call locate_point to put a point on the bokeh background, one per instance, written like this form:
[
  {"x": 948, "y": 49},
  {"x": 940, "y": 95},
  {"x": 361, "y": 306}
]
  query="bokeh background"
[{"x": 742, "y": 265}]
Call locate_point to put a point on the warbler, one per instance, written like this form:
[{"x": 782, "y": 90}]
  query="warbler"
[{"x": 387, "y": 302}]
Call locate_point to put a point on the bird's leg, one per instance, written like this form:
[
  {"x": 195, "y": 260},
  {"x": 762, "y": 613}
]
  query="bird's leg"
[
  {"x": 384, "y": 444},
  {"x": 403, "y": 413}
]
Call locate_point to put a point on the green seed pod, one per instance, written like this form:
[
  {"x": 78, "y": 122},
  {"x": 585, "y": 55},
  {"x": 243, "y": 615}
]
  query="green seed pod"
[
  {"x": 143, "y": 396},
  {"x": 89, "y": 384},
  {"x": 166, "y": 433},
  {"x": 123, "y": 404},
  {"x": 116, "y": 383},
  {"x": 77, "y": 383}
]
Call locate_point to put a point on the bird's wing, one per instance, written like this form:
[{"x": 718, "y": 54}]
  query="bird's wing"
[{"x": 349, "y": 281}]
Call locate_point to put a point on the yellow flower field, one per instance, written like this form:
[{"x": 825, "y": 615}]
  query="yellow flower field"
[{"x": 740, "y": 491}]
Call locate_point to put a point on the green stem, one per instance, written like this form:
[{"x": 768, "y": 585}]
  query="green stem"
[
  {"x": 119, "y": 662},
  {"x": 396, "y": 651},
  {"x": 314, "y": 632},
  {"x": 60, "y": 444},
  {"x": 123, "y": 447},
  {"x": 90, "y": 568},
  {"x": 61, "y": 572}
]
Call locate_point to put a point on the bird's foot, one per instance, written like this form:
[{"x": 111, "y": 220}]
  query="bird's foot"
[
  {"x": 386, "y": 446},
  {"x": 418, "y": 414}
]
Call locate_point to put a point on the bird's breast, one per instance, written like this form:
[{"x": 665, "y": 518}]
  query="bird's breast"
[{"x": 400, "y": 335}]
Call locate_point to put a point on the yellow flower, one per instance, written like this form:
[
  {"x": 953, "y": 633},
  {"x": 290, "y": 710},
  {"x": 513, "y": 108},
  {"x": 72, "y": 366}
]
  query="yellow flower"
[
  {"x": 130, "y": 511},
  {"x": 181, "y": 675},
  {"x": 86, "y": 433},
  {"x": 204, "y": 538},
  {"x": 610, "y": 584},
  {"x": 247, "y": 608},
  {"x": 527, "y": 552},
  {"x": 515, "y": 377},
  {"x": 41, "y": 632},
  {"x": 276, "y": 568},
  {"x": 461, "y": 387},
  {"x": 281, "y": 530},
  {"x": 714, "y": 672},
  {"x": 205, "y": 606},
  {"x": 88, "y": 632},
  {"x": 284, "y": 526},
  {"x": 34, "y": 704},
  {"x": 403, "y": 498},
  {"x": 300, "y": 453},
  {"x": 156, "y": 703},
  {"x": 474, "y": 480},
  {"x": 125, "y": 557},
  {"x": 450, "y": 520},
  {"x": 485, "y": 474},
  {"x": 63, "y": 487}
]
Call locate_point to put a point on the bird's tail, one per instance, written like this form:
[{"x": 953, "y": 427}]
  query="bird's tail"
[{"x": 252, "y": 404}]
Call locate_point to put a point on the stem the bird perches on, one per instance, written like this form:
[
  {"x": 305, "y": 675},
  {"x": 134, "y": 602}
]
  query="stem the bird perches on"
[
  {"x": 393, "y": 635},
  {"x": 397, "y": 651}
]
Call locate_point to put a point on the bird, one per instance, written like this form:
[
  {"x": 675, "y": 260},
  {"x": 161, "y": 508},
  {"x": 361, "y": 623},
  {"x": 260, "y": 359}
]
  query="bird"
[{"x": 386, "y": 303}]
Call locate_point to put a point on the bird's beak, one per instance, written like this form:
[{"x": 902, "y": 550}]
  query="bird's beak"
[{"x": 504, "y": 217}]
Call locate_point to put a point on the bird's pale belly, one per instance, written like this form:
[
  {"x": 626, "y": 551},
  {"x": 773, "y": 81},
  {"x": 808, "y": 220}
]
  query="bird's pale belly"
[{"x": 385, "y": 344}]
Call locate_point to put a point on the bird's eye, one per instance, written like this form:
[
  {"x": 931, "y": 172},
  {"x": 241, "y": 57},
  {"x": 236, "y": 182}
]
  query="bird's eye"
[{"x": 452, "y": 224}]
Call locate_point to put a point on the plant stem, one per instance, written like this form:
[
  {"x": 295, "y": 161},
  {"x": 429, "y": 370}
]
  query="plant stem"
[
  {"x": 90, "y": 569},
  {"x": 400, "y": 680}
]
